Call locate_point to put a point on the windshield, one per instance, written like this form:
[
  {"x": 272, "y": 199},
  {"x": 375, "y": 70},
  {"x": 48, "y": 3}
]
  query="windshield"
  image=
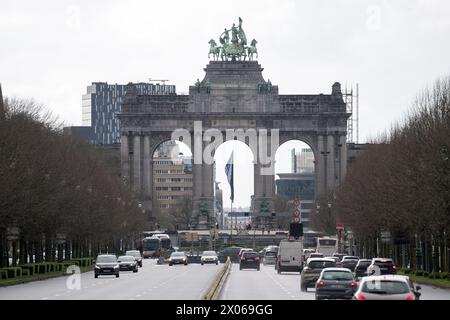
[
  {"x": 327, "y": 242},
  {"x": 209, "y": 253},
  {"x": 106, "y": 259},
  {"x": 177, "y": 254},
  {"x": 271, "y": 254},
  {"x": 337, "y": 275},
  {"x": 321, "y": 264},
  {"x": 384, "y": 264},
  {"x": 385, "y": 287},
  {"x": 363, "y": 264},
  {"x": 250, "y": 254},
  {"x": 126, "y": 258},
  {"x": 133, "y": 253},
  {"x": 151, "y": 244}
]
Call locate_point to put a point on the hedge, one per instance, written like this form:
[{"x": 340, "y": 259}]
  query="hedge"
[
  {"x": 13, "y": 272},
  {"x": 3, "y": 274}
]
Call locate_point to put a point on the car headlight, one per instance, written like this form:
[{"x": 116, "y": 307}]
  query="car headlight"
[
  {"x": 97, "y": 267},
  {"x": 116, "y": 266}
]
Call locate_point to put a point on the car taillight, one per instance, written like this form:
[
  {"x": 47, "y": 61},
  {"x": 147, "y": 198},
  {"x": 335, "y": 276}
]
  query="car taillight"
[
  {"x": 394, "y": 267},
  {"x": 257, "y": 258},
  {"x": 353, "y": 284},
  {"x": 410, "y": 298},
  {"x": 361, "y": 297},
  {"x": 242, "y": 258},
  {"x": 320, "y": 283}
]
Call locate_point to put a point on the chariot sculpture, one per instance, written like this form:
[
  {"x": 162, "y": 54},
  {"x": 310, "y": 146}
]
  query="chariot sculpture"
[{"x": 235, "y": 48}]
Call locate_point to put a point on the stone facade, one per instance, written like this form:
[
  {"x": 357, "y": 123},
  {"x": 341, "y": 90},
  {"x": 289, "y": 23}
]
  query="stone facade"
[{"x": 232, "y": 95}]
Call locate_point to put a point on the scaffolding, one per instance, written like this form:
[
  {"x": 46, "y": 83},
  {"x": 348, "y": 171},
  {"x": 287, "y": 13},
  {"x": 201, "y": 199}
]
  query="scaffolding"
[{"x": 352, "y": 104}]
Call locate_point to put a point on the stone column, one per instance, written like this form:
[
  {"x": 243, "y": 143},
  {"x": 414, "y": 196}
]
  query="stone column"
[
  {"x": 331, "y": 163},
  {"x": 147, "y": 169},
  {"x": 137, "y": 180},
  {"x": 343, "y": 158},
  {"x": 320, "y": 167},
  {"x": 125, "y": 157}
]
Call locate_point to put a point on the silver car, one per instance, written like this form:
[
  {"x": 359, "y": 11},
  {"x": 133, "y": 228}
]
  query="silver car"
[{"x": 387, "y": 287}]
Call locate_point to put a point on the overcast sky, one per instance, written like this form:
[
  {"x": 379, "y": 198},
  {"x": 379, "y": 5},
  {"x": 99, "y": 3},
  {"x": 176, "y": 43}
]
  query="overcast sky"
[{"x": 51, "y": 50}]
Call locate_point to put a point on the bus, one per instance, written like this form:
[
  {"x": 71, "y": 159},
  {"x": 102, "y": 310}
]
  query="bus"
[
  {"x": 327, "y": 245},
  {"x": 166, "y": 243},
  {"x": 151, "y": 247}
]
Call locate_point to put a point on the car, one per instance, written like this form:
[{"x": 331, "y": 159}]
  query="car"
[
  {"x": 232, "y": 252},
  {"x": 209, "y": 257},
  {"x": 335, "y": 283},
  {"x": 307, "y": 253},
  {"x": 106, "y": 264},
  {"x": 316, "y": 255},
  {"x": 249, "y": 260},
  {"x": 381, "y": 266},
  {"x": 337, "y": 260},
  {"x": 290, "y": 256},
  {"x": 137, "y": 256},
  {"x": 128, "y": 263},
  {"x": 178, "y": 257},
  {"x": 245, "y": 250},
  {"x": 349, "y": 262},
  {"x": 361, "y": 268},
  {"x": 270, "y": 257},
  {"x": 312, "y": 270},
  {"x": 387, "y": 287},
  {"x": 339, "y": 255}
]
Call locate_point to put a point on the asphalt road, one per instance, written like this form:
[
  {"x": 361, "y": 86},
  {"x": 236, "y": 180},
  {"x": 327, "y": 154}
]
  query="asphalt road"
[
  {"x": 152, "y": 282},
  {"x": 266, "y": 284}
]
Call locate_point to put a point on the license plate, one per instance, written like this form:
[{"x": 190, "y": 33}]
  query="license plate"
[
  {"x": 336, "y": 286},
  {"x": 107, "y": 270}
]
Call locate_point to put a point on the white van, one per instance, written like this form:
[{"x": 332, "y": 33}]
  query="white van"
[{"x": 290, "y": 256}]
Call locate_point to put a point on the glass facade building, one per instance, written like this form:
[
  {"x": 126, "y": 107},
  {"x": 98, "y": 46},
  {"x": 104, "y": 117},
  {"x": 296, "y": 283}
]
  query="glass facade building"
[{"x": 103, "y": 101}]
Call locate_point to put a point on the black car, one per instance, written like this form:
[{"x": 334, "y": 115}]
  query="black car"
[
  {"x": 137, "y": 256},
  {"x": 335, "y": 283},
  {"x": 361, "y": 268},
  {"x": 232, "y": 252},
  {"x": 128, "y": 263},
  {"x": 349, "y": 264},
  {"x": 106, "y": 264},
  {"x": 249, "y": 260}
]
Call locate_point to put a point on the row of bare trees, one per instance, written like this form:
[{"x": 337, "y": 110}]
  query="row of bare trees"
[
  {"x": 59, "y": 193},
  {"x": 396, "y": 195}
]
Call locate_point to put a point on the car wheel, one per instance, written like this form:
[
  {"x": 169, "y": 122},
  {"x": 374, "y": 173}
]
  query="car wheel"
[
  {"x": 217, "y": 263},
  {"x": 279, "y": 270},
  {"x": 117, "y": 275},
  {"x": 96, "y": 276},
  {"x": 170, "y": 264},
  {"x": 135, "y": 270},
  {"x": 240, "y": 268},
  {"x": 258, "y": 269},
  {"x": 202, "y": 263},
  {"x": 186, "y": 264},
  {"x": 303, "y": 288}
]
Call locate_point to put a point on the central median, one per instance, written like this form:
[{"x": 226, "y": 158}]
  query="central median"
[{"x": 216, "y": 288}]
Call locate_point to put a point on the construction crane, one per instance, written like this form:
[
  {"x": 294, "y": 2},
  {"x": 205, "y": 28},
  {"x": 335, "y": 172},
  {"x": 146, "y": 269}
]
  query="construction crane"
[{"x": 159, "y": 80}]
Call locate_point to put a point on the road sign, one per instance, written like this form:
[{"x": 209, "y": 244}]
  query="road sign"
[{"x": 297, "y": 211}]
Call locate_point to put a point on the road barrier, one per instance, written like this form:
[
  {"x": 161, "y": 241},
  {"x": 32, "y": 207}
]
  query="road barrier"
[{"x": 216, "y": 288}]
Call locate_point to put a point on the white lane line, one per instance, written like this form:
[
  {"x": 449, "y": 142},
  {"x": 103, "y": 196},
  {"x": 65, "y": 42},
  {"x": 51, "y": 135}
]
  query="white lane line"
[{"x": 45, "y": 298}]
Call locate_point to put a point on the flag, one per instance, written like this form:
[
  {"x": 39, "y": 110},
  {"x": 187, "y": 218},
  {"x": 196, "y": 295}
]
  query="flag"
[{"x": 229, "y": 168}]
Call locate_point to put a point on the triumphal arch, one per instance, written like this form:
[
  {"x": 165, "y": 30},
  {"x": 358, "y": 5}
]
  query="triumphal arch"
[{"x": 233, "y": 99}]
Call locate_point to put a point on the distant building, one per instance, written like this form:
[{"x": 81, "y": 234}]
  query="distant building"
[
  {"x": 102, "y": 102},
  {"x": 82, "y": 132},
  {"x": 298, "y": 186},
  {"x": 305, "y": 161},
  {"x": 172, "y": 177}
]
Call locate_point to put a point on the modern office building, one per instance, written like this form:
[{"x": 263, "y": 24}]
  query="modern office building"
[
  {"x": 303, "y": 161},
  {"x": 298, "y": 186},
  {"x": 172, "y": 177},
  {"x": 102, "y": 102}
]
